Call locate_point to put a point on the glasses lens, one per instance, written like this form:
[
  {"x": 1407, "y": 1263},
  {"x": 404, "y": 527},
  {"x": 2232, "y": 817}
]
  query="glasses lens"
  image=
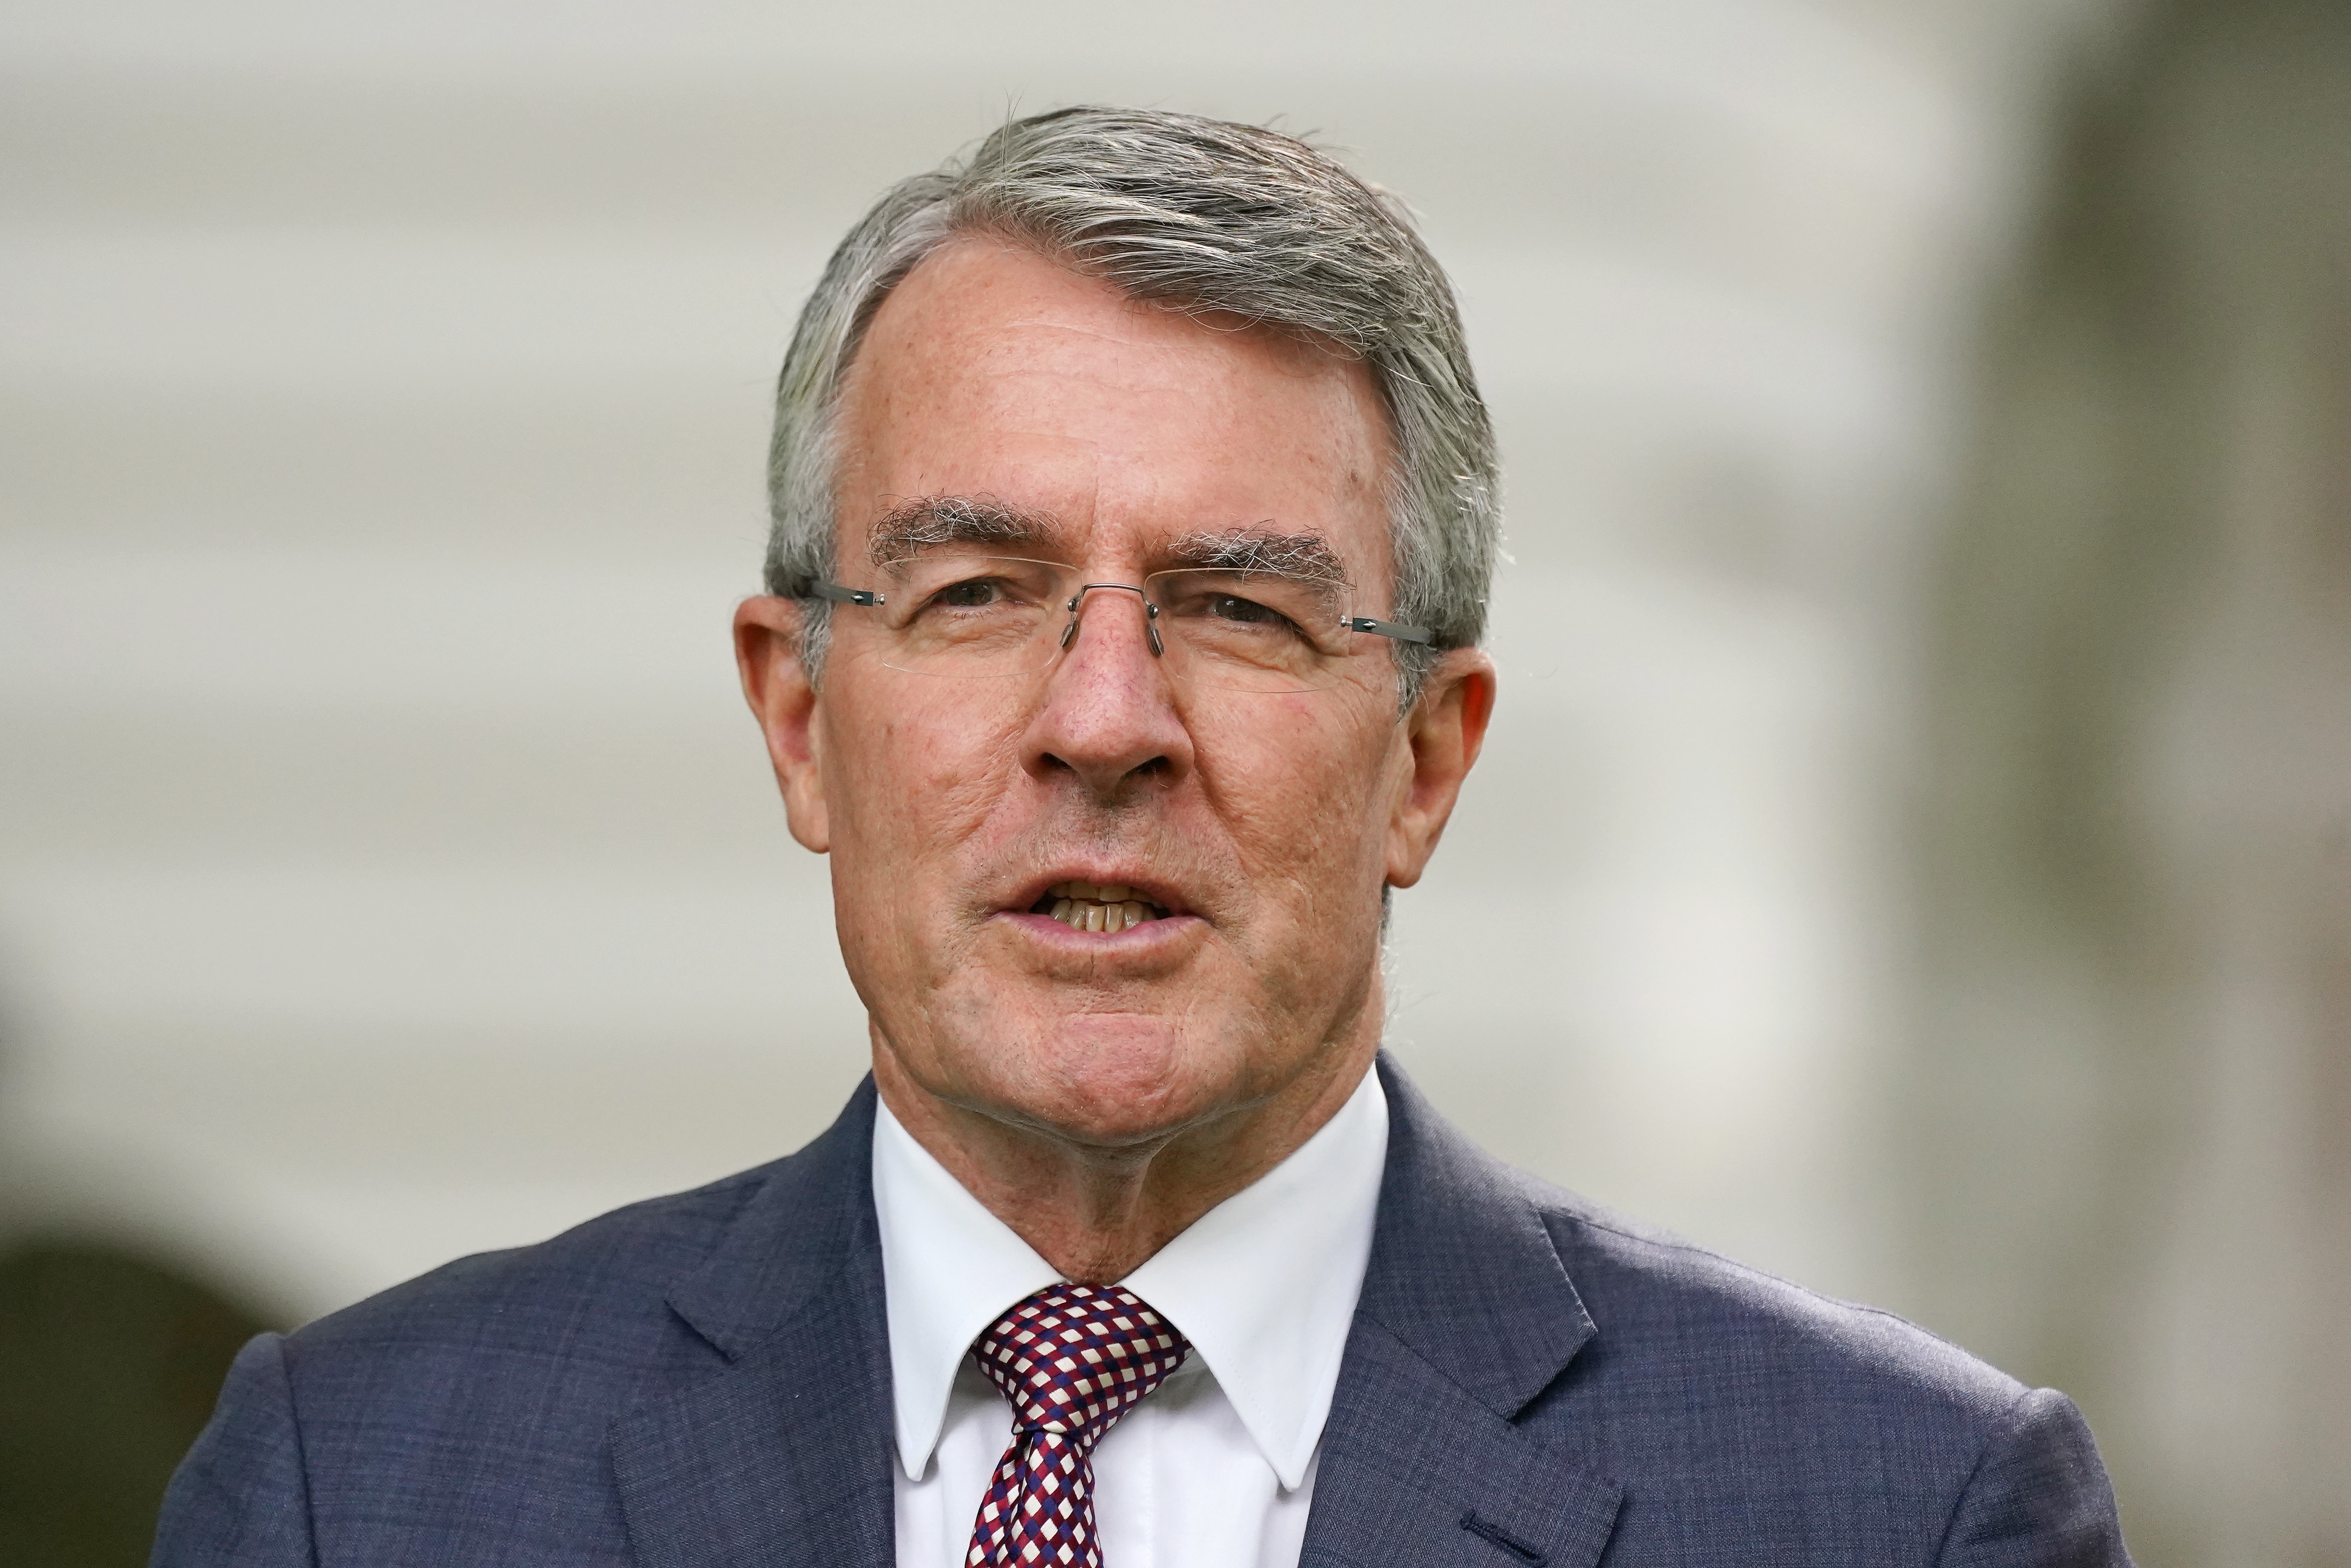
[
  {"x": 978, "y": 617},
  {"x": 973, "y": 616},
  {"x": 1251, "y": 631}
]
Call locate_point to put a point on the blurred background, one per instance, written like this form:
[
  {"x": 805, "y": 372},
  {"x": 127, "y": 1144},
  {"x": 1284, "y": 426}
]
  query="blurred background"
[{"x": 1913, "y": 855}]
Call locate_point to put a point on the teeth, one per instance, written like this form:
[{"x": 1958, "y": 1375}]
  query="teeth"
[{"x": 1107, "y": 907}]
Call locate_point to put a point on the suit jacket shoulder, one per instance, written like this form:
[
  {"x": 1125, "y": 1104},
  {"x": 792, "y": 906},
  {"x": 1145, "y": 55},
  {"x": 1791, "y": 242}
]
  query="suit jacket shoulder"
[
  {"x": 1678, "y": 1314},
  {"x": 1641, "y": 1395},
  {"x": 588, "y": 1291},
  {"x": 1831, "y": 1410},
  {"x": 484, "y": 1412}
]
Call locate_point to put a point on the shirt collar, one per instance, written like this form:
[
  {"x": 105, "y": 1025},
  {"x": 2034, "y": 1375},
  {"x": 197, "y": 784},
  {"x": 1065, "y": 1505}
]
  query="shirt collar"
[{"x": 1264, "y": 1284}]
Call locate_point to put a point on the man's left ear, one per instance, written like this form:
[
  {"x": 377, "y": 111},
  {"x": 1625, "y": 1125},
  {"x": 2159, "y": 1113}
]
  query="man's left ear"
[{"x": 1445, "y": 729}]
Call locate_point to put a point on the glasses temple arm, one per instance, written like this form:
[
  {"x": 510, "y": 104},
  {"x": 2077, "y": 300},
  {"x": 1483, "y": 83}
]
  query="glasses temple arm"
[
  {"x": 817, "y": 588},
  {"x": 1389, "y": 629}
]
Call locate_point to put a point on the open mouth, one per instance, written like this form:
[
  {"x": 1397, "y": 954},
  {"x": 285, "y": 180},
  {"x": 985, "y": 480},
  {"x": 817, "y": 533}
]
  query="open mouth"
[{"x": 1096, "y": 906}]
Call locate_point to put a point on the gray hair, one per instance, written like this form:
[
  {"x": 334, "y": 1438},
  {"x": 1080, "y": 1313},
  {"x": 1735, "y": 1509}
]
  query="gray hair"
[{"x": 1204, "y": 216}]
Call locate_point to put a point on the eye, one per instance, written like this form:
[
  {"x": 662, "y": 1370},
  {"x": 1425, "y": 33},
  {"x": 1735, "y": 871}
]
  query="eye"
[
  {"x": 1247, "y": 611},
  {"x": 972, "y": 593}
]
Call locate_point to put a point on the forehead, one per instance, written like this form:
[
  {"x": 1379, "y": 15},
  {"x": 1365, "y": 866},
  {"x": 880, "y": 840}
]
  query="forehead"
[{"x": 993, "y": 372}]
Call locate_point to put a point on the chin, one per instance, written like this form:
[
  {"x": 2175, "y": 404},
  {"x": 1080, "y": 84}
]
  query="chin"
[{"x": 1114, "y": 1079}]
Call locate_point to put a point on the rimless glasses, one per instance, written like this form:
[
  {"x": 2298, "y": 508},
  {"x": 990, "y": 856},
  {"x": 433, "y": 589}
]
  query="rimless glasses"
[{"x": 978, "y": 617}]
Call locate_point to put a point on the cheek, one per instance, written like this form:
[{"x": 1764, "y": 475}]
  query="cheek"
[
  {"x": 1306, "y": 799},
  {"x": 918, "y": 779}
]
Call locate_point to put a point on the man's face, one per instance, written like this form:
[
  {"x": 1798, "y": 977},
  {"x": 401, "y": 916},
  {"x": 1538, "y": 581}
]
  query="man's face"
[{"x": 1262, "y": 825}]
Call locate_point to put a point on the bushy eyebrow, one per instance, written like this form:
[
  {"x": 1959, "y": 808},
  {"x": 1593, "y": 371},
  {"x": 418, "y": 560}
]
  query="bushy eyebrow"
[
  {"x": 930, "y": 521},
  {"x": 1260, "y": 549}
]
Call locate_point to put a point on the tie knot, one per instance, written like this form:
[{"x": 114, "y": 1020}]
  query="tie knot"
[{"x": 1073, "y": 1358}]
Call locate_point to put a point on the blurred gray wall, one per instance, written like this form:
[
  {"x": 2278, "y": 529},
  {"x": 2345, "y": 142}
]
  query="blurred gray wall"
[
  {"x": 387, "y": 870},
  {"x": 2131, "y": 1084}
]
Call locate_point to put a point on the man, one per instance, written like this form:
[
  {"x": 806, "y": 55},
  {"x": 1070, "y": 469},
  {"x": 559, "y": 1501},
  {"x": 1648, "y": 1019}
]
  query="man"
[{"x": 1133, "y": 520}]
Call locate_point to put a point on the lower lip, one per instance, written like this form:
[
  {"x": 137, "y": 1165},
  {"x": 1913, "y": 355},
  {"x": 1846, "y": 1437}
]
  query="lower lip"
[{"x": 1147, "y": 934}]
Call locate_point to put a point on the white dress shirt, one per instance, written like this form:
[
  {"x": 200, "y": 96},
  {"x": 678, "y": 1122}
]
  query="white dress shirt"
[{"x": 1215, "y": 1467}]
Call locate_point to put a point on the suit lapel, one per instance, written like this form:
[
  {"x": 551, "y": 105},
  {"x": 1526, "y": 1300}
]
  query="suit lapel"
[
  {"x": 781, "y": 1457},
  {"x": 1467, "y": 1314}
]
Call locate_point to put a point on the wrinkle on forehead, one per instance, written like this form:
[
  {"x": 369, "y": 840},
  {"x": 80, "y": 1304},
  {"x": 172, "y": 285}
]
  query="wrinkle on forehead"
[{"x": 1006, "y": 405}]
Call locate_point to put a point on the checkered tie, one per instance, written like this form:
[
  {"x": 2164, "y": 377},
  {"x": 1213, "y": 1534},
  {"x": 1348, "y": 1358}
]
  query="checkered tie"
[{"x": 1073, "y": 1359}]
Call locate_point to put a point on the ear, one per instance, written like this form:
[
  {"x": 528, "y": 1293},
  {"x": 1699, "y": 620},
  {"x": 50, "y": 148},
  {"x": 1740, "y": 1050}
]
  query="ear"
[
  {"x": 1444, "y": 730},
  {"x": 784, "y": 701}
]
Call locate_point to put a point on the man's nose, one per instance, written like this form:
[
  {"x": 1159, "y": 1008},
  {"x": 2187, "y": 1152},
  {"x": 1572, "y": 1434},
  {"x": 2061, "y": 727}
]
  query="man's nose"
[{"x": 1109, "y": 717}]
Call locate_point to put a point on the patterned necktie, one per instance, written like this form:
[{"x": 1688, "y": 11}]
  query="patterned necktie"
[{"x": 1073, "y": 1359}]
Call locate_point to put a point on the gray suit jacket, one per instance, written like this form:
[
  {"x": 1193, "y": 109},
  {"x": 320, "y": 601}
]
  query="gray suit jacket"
[{"x": 705, "y": 1379}]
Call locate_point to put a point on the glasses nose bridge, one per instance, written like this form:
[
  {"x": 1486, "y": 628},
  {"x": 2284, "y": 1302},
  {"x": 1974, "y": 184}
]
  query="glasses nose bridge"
[{"x": 1076, "y": 607}]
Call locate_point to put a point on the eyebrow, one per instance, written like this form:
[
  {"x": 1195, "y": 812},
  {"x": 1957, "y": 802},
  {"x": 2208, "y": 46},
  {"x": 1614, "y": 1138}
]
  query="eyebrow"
[
  {"x": 1260, "y": 549},
  {"x": 929, "y": 521}
]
